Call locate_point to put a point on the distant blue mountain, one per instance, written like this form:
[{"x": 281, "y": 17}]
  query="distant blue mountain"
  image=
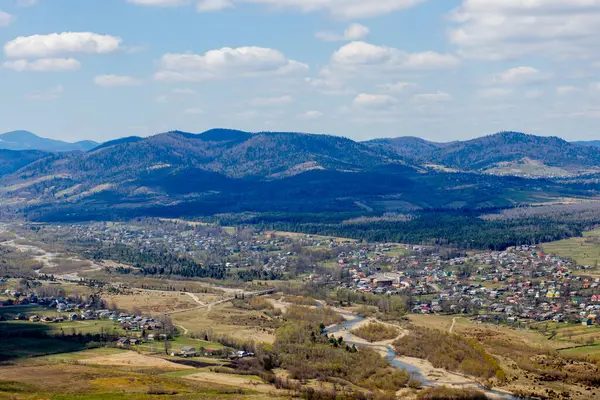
[
  {"x": 24, "y": 140},
  {"x": 591, "y": 143}
]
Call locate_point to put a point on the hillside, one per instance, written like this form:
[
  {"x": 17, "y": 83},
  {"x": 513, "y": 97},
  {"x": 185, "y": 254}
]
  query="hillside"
[
  {"x": 24, "y": 140},
  {"x": 230, "y": 153},
  {"x": 226, "y": 171},
  {"x": 591, "y": 143},
  {"x": 505, "y": 153},
  {"x": 11, "y": 161}
]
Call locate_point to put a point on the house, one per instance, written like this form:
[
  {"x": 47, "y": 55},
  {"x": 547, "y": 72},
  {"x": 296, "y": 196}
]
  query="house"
[{"x": 187, "y": 351}]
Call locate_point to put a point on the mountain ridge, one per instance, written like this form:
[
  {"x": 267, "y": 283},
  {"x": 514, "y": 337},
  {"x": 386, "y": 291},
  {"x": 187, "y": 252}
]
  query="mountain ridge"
[
  {"x": 235, "y": 171},
  {"x": 25, "y": 140}
]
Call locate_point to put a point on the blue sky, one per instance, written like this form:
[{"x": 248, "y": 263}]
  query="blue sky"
[{"x": 438, "y": 69}]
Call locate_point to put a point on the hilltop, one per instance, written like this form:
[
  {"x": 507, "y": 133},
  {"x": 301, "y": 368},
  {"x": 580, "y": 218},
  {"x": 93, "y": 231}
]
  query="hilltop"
[
  {"x": 234, "y": 171},
  {"x": 24, "y": 140}
]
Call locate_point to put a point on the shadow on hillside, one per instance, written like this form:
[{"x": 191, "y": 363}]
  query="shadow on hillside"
[{"x": 21, "y": 339}]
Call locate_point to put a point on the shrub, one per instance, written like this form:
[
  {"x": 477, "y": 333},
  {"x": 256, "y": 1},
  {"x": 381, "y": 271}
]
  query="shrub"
[
  {"x": 376, "y": 332},
  {"x": 449, "y": 351}
]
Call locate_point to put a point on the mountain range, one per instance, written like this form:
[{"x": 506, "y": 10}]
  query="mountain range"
[
  {"x": 221, "y": 170},
  {"x": 24, "y": 140}
]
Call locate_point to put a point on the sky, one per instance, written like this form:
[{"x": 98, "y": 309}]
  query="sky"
[{"x": 438, "y": 69}]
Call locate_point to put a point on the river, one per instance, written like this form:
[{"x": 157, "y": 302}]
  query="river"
[{"x": 352, "y": 320}]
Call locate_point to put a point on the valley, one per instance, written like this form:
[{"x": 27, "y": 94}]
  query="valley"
[{"x": 521, "y": 308}]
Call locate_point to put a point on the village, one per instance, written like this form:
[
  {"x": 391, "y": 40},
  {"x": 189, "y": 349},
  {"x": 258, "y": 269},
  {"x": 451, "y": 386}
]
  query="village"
[{"x": 517, "y": 287}]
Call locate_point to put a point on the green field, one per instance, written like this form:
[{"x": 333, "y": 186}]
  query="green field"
[
  {"x": 177, "y": 344},
  {"x": 586, "y": 351},
  {"x": 584, "y": 250}
]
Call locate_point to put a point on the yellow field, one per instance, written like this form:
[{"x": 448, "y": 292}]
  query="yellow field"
[
  {"x": 155, "y": 302},
  {"x": 224, "y": 319},
  {"x": 123, "y": 375}
]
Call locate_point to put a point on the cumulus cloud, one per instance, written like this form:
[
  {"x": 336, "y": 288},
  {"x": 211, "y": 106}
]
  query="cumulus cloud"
[
  {"x": 312, "y": 114},
  {"x": 5, "y": 18},
  {"x": 520, "y": 76},
  {"x": 374, "y": 101},
  {"x": 213, "y": 5},
  {"x": 362, "y": 56},
  {"x": 567, "y": 90},
  {"x": 343, "y": 8},
  {"x": 505, "y": 29},
  {"x": 397, "y": 87},
  {"x": 353, "y": 32},
  {"x": 327, "y": 86},
  {"x": 226, "y": 62},
  {"x": 54, "y": 44},
  {"x": 48, "y": 94},
  {"x": 160, "y": 3},
  {"x": 437, "y": 97},
  {"x": 271, "y": 101},
  {"x": 183, "y": 91},
  {"x": 116, "y": 80},
  {"x": 43, "y": 65}
]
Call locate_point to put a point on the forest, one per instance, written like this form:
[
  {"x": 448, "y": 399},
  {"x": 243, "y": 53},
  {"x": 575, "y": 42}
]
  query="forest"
[
  {"x": 460, "y": 229},
  {"x": 307, "y": 353}
]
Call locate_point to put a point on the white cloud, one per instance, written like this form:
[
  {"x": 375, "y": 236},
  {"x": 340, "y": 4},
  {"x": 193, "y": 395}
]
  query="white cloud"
[
  {"x": 160, "y": 3},
  {"x": 312, "y": 114},
  {"x": 534, "y": 94},
  {"x": 54, "y": 44},
  {"x": 567, "y": 90},
  {"x": 193, "y": 111},
  {"x": 357, "y": 56},
  {"x": 271, "y": 101},
  {"x": 437, "y": 97},
  {"x": 398, "y": 87},
  {"x": 595, "y": 86},
  {"x": 43, "y": 65},
  {"x": 520, "y": 76},
  {"x": 375, "y": 101},
  {"x": 5, "y": 18},
  {"x": 183, "y": 91},
  {"x": 226, "y": 62},
  {"x": 48, "y": 94},
  {"x": 327, "y": 86},
  {"x": 213, "y": 5},
  {"x": 116, "y": 80},
  {"x": 353, "y": 32},
  {"x": 349, "y": 9},
  {"x": 493, "y": 93},
  {"x": 505, "y": 29},
  {"x": 344, "y": 8},
  {"x": 27, "y": 3}
]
